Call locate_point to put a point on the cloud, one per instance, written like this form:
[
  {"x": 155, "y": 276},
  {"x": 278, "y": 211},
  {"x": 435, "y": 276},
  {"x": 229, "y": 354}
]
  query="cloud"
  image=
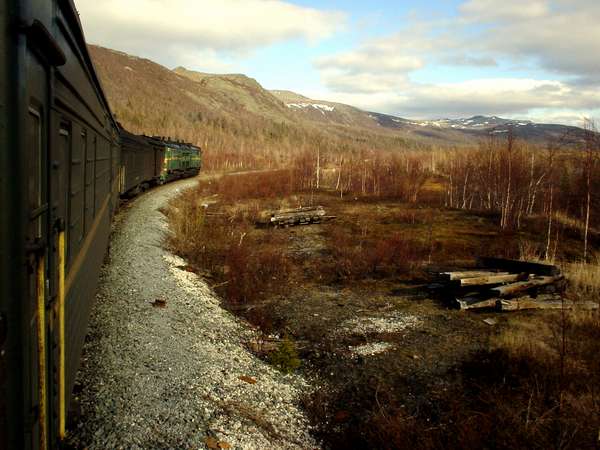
[
  {"x": 499, "y": 96},
  {"x": 461, "y": 59},
  {"x": 156, "y": 29},
  {"x": 556, "y": 35},
  {"x": 340, "y": 81},
  {"x": 362, "y": 61},
  {"x": 480, "y": 10},
  {"x": 552, "y": 37}
]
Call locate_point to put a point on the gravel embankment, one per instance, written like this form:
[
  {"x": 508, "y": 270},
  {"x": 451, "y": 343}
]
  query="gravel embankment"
[{"x": 169, "y": 377}]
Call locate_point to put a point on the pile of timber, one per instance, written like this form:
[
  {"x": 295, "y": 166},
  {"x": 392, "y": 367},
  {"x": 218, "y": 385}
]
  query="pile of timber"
[
  {"x": 297, "y": 216},
  {"x": 507, "y": 285}
]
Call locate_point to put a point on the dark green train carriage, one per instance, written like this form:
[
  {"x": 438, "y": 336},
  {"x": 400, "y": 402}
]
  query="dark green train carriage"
[{"x": 59, "y": 159}]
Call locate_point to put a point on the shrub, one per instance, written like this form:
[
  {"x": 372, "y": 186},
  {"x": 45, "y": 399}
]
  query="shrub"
[
  {"x": 285, "y": 358},
  {"x": 272, "y": 184},
  {"x": 254, "y": 268},
  {"x": 357, "y": 257}
]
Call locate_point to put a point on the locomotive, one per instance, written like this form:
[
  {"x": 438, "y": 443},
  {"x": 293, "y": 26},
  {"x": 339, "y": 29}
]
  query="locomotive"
[{"x": 64, "y": 165}]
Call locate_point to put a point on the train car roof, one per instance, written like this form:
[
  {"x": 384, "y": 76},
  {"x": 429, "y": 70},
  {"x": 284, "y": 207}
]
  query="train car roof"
[
  {"x": 72, "y": 15},
  {"x": 177, "y": 144},
  {"x": 154, "y": 140}
]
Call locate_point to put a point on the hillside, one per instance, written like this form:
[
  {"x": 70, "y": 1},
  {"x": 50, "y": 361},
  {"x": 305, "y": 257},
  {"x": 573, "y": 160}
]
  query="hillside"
[{"x": 236, "y": 121}]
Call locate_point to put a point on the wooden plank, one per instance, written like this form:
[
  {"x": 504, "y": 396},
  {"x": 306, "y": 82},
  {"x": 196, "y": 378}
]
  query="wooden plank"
[
  {"x": 514, "y": 266},
  {"x": 471, "y": 274},
  {"x": 475, "y": 303},
  {"x": 522, "y": 286},
  {"x": 494, "y": 279},
  {"x": 298, "y": 210},
  {"x": 527, "y": 302}
]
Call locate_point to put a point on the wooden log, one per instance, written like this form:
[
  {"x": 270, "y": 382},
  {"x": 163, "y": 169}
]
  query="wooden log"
[
  {"x": 290, "y": 216},
  {"x": 527, "y": 302},
  {"x": 302, "y": 213},
  {"x": 542, "y": 302},
  {"x": 494, "y": 279},
  {"x": 519, "y": 287},
  {"x": 475, "y": 303},
  {"x": 514, "y": 266},
  {"x": 470, "y": 274},
  {"x": 307, "y": 209}
]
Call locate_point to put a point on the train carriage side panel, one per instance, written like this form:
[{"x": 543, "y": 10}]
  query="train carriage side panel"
[
  {"x": 138, "y": 162},
  {"x": 55, "y": 121},
  {"x": 12, "y": 231},
  {"x": 87, "y": 133}
]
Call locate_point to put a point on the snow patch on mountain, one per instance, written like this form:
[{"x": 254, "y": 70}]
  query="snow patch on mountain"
[{"x": 317, "y": 106}]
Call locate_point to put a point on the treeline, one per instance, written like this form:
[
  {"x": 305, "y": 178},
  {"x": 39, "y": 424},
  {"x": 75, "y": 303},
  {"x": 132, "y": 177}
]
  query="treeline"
[{"x": 558, "y": 185}]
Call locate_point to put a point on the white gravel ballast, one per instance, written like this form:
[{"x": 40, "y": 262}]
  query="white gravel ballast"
[{"x": 163, "y": 360}]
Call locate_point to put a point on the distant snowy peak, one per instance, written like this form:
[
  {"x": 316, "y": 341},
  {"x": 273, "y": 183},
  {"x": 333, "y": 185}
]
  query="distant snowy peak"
[
  {"x": 477, "y": 123},
  {"x": 474, "y": 123},
  {"x": 318, "y": 106}
]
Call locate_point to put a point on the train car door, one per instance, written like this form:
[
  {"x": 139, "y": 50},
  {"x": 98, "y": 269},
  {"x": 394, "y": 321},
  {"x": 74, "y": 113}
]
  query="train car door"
[
  {"x": 36, "y": 362},
  {"x": 41, "y": 55}
]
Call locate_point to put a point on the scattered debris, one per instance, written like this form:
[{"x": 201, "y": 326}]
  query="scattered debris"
[
  {"x": 490, "y": 321},
  {"x": 391, "y": 324},
  {"x": 370, "y": 349},
  {"x": 247, "y": 379},
  {"x": 268, "y": 344},
  {"x": 297, "y": 216},
  {"x": 214, "y": 444},
  {"x": 159, "y": 303}
]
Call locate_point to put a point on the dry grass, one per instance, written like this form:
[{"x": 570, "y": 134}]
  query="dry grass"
[
  {"x": 584, "y": 280},
  {"x": 535, "y": 387},
  {"x": 367, "y": 255}
]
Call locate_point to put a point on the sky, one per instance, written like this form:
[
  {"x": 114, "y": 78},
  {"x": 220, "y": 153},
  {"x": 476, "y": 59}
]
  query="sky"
[{"x": 527, "y": 59}]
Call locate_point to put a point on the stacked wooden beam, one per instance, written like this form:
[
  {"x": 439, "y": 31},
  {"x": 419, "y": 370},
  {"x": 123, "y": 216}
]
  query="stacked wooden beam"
[
  {"x": 506, "y": 285},
  {"x": 296, "y": 216}
]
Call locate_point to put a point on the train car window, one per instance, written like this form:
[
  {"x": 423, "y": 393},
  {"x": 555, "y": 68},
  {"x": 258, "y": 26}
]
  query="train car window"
[
  {"x": 92, "y": 176},
  {"x": 65, "y": 150},
  {"x": 84, "y": 181},
  {"x": 76, "y": 194},
  {"x": 35, "y": 172}
]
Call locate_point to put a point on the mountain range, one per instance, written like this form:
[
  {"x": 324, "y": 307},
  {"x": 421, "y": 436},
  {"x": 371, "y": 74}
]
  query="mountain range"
[{"x": 147, "y": 97}]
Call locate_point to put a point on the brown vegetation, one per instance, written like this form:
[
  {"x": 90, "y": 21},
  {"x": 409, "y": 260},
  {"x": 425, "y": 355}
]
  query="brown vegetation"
[
  {"x": 535, "y": 387},
  {"x": 530, "y": 383}
]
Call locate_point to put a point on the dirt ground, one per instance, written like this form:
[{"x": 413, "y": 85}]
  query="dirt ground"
[{"x": 376, "y": 334}]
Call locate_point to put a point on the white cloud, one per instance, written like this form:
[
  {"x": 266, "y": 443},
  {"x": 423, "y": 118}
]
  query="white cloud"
[
  {"x": 510, "y": 97},
  {"x": 358, "y": 62},
  {"x": 556, "y": 35},
  {"x": 153, "y": 28},
  {"x": 478, "y": 10},
  {"x": 549, "y": 36}
]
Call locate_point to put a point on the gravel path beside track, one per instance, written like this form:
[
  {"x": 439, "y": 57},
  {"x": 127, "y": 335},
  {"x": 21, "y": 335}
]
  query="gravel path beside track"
[{"x": 154, "y": 377}]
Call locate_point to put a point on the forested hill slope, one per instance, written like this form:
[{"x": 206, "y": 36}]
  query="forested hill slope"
[{"x": 232, "y": 117}]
